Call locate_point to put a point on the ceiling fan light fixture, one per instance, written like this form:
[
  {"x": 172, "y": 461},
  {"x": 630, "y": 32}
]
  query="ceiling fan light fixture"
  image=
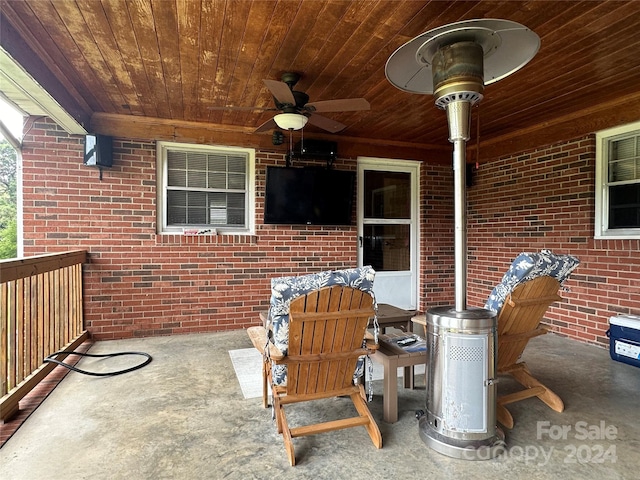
[{"x": 290, "y": 121}]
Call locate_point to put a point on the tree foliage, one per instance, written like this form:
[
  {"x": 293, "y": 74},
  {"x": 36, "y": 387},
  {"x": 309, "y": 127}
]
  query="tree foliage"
[{"x": 8, "y": 201}]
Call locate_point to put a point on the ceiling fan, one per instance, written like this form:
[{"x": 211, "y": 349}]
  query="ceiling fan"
[{"x": 290, "y": 101}]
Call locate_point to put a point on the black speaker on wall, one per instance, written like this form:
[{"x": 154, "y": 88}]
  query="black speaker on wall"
[
  {"x": 98, "y": 151},
  {"x": 470, "y": 171},
  {"x": 317, "y": 149}
]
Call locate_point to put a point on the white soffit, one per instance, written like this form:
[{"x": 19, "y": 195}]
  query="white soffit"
[{"x": 21, "y": 89}]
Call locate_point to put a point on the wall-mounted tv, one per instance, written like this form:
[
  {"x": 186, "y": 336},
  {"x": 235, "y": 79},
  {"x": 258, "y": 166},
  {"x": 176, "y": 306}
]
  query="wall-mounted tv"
[
  {"x": 308, "y": 196},
  {"x": 98, "y": 150}
]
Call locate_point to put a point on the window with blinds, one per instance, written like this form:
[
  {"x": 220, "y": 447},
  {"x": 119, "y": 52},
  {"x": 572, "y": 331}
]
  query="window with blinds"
[
  {"x": 205, "y": 187},
  {"x": 624, "y": 182},
  {"x": 617, "y": 202}
]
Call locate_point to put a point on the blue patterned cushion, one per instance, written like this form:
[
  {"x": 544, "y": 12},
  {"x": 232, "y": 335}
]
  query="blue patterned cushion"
[
  {"x": 528, "y": 266},
  {"x": 285, "y": 289}
]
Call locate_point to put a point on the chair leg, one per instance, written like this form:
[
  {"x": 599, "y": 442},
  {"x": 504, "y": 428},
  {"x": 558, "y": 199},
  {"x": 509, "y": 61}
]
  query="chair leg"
[
  {"x": 363, "y": 410},
  {"x": 279, "y": 414},
  {"x": 265, "y": 384},
  {"x": 523, "y": 376},
  {"x": 504, "y": 416},
  {"x": 286, "y": 434}
]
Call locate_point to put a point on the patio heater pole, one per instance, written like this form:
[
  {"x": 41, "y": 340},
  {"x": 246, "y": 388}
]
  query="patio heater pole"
[
  {"x": 458, "y": 85},
  {"x": 460, "y": 225},
  {"x": 460, "y": 219}
]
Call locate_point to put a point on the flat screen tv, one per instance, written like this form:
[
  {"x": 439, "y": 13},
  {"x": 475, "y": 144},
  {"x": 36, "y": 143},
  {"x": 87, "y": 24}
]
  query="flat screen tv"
[
  {"x": 308, "y": 196},
  {"x": 98, "y": 150}
]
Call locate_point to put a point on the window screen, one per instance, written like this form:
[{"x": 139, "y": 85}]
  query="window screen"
[{"x": 206, "y": 188}]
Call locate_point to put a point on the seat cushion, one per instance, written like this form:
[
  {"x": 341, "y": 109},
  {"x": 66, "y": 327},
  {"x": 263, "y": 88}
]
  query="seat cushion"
[
  {"x": 528, "y": 266},
  {"x": 285, "y": 289}
]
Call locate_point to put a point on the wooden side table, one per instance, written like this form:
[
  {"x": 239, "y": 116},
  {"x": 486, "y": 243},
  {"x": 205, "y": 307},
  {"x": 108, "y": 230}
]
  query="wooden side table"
[
  {"x": 390, "y": 316},
  {"x": 391, "y": 357}
]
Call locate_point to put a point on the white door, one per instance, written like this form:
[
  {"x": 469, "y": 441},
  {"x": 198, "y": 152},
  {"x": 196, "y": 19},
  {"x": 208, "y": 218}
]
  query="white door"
[{"x": 388, "y": 199}]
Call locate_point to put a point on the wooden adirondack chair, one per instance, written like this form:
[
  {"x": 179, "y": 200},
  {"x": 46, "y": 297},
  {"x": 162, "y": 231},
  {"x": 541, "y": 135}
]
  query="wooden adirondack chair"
[
  {"x": 518, "y": 322},
  {"x": 326, "y": 332}
]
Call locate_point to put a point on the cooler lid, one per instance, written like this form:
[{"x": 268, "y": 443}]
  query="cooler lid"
[{"x": 629, "y": 321}]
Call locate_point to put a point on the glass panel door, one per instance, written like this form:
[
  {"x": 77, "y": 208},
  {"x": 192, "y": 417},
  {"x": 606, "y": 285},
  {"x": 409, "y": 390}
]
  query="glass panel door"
[{"x": 388, "y": 228}]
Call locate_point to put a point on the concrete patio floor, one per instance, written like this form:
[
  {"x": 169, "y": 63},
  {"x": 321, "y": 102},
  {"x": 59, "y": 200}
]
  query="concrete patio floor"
[{"x": 184, "y": 417}]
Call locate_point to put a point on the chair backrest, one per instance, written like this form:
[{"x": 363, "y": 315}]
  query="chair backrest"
[
  {"x": 528, "y": 266},
  {"x": 521, "y": 314},
  {"x": 285, "y": 290},
  {"x": 326, "y": 334},
  {"x": 523, "y": 296}
]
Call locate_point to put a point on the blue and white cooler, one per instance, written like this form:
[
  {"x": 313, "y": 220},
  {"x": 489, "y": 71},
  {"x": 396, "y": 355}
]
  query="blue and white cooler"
[{"x": 624, "y": 339}]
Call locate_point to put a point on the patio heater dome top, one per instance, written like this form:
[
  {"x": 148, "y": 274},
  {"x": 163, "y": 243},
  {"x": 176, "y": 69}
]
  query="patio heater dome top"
[{"x": 506, "y": 45}]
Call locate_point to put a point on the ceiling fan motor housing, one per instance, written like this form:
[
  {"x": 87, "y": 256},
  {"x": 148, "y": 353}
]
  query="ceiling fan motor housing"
[{"x": 458, "y": 84}]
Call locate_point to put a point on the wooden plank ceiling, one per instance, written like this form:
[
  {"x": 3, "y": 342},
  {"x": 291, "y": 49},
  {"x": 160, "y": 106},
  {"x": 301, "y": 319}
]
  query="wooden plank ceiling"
[{"x": 153, "y": 69}]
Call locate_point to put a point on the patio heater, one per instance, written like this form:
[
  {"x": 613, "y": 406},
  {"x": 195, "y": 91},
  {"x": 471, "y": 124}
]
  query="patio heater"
[{"x": 454, "y": 63}]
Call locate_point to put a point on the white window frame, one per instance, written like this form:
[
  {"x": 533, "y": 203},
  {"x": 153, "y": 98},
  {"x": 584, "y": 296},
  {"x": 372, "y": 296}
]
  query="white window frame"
[
  {"x": 601, "y": 222},
  {"x": 162, "y": 174}
]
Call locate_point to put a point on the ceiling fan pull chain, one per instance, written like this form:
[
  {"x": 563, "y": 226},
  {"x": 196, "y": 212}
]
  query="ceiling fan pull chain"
[{"x": 290, "y": 152}]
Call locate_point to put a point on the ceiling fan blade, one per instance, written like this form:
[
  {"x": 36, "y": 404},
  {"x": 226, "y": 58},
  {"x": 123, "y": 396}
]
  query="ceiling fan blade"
[
  {"x": 268, "y": 125},
  {"x": 340, "y": 105},
  {"x": 326, "y": 123},
  {"x": 280, "y": 91}
]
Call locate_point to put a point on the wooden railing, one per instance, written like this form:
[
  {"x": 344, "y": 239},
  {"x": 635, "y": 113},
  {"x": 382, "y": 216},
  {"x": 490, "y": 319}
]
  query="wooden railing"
[{"x": 40, "y": 313}]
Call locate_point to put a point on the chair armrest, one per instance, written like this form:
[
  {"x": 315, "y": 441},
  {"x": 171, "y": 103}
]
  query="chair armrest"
[
  {"x": 258, "y": 337},
  {"x": 371, "y": 345},
  {"x": 420, "y": 320},
  {"x": 370, "y": 341},
  {"x": 518, "y": 337},
  {"x": 524, "y": 302}
]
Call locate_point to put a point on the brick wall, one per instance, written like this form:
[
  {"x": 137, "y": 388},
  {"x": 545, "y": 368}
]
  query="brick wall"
[
  {"x": 436, "y": 255},
  {"x": 138, "y": 283},
  {"x": 545, "y": 199}
]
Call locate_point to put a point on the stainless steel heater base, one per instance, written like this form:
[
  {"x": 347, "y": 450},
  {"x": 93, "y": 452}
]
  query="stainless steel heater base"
[
  {"x": 460, "y": 416},
  {"x": 485, "y": 449}
]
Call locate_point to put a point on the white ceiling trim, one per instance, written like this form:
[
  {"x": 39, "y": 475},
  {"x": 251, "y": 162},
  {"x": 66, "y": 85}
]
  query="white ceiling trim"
[{"x": 21, "y": 89}]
